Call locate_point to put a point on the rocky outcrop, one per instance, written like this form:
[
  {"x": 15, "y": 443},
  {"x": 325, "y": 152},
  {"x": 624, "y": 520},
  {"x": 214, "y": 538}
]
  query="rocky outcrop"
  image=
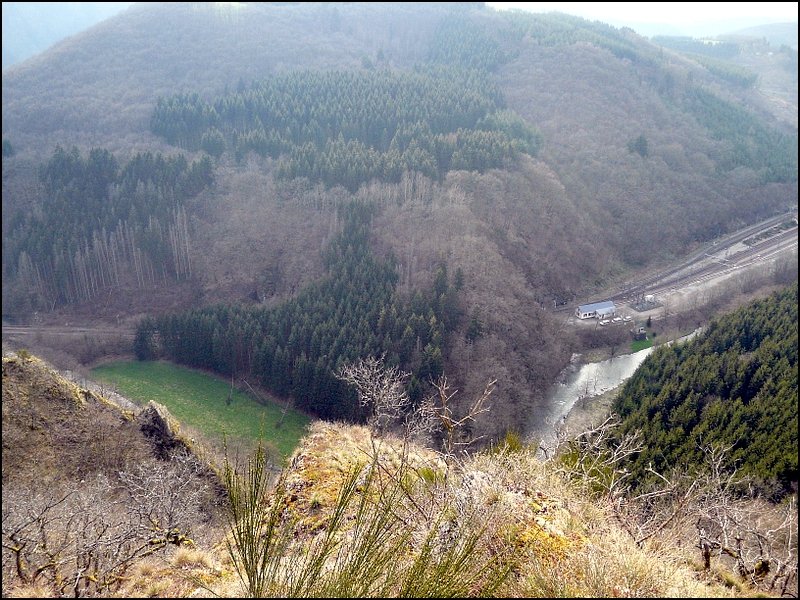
[{"x": 161, "y": 429}]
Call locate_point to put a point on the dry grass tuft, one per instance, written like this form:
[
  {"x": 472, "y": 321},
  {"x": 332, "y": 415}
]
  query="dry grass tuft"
[
  {"x": 193, "y": 558},
  {"x": 29, "y": 591},
  {"x": 328, "y": 455},
  {"x": 555, "y": 540}
]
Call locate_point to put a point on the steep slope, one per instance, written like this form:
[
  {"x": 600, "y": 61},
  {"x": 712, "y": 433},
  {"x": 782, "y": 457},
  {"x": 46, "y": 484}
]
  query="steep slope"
[
  {"x": 353, "y": 515},
  {"x": 357, "y": 515},
  {"x": 734, "y": 386},
  {"x": 762, "y": 62},
  {"x": 638, "y": 162},
  {"x": 591, "y": 105},
  {"x": 115, "y": 72},
  {"x": 89, "y": 491}
]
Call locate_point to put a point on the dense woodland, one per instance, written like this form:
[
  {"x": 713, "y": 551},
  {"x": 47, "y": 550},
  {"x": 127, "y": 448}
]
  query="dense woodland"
[
  {"x": 348, "y": 127},
  {"x": 137, "y": 226},
  {"x": 719, "y": 49},
  {"x": 750, "y": 143},
  {"x": 544, "y": 157},
  {"x": 769, "y": 152},
  {"x": 272, "y": 191},
  {"x": 296, "y": 348},
  {"x": 733, "y": 386},
  {"x": 447, "y": 112}
]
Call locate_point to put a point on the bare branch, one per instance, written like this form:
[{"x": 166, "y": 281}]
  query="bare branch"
[
  {"x": 380, "y": 388},
  {"x": 454, "y": 429}
]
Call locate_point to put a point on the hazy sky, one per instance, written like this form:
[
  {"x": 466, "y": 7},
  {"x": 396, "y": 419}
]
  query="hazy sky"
[
  {"x": 31, "y": 27},
  {"x": 686, "y": 18}
]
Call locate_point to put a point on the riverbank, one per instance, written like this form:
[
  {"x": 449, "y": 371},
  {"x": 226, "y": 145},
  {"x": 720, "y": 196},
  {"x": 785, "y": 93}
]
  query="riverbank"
[{"x": 589, "y": 412}]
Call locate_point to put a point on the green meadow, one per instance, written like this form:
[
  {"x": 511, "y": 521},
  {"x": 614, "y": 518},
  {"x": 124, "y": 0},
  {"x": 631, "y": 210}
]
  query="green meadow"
[
  {"x": 200, "y": 401},
  {"x": 637, "y": 345}
]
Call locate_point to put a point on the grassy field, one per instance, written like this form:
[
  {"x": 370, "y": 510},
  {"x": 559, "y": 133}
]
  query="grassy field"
[
  {"x": 637, "y": 345},
  {"x": 200, "y": 401}
]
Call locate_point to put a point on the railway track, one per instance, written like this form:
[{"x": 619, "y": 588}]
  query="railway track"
[
  {"x": 711, "y": 266},
  {"x": 716, "y": 260}
]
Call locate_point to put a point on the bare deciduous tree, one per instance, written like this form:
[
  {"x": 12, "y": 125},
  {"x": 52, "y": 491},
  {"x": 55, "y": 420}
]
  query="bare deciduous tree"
[
  {"x": 380, "y": 388},
  {"x": 743, "y": 532},
  {"x": 81, "y": 539},
  {"x": 599, "y": 464},
  {"x": 70, "y": 541},
  {"x": 760, "y": 539},
  {"x": 456, "y": 430},
  {"x": 165, "y": 498}
]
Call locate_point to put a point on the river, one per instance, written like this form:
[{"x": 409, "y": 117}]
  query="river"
[{"x": 579, "y": 381}]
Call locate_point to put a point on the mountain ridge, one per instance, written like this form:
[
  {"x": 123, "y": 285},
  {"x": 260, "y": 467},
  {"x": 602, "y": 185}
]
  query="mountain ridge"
[{"x": 586, "y": 210}]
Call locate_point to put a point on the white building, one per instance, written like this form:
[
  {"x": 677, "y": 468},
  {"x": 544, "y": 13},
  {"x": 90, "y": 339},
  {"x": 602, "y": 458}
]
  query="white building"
[{"x": 598, "y": 310}]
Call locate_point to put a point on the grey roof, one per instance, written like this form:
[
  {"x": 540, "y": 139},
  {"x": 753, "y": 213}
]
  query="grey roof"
[{"x": 596, "y": 306}]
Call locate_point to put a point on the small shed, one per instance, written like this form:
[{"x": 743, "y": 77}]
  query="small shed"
[{"x": 599, "y": 310}]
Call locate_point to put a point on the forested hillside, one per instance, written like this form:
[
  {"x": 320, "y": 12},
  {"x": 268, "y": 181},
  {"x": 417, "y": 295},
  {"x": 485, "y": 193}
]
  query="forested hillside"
[
  {"x": 297, "y": 348},
  {"x": 187, "y": 156},
  {"x": 734, "y": 386},
  {"x": 348, "y": 128},
  {"x": 760, "y": 57},
  {"x": 137, "y": 231}
]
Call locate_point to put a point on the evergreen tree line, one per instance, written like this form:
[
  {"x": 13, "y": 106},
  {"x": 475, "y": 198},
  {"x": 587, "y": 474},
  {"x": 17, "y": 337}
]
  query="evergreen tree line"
[
  {"x": 99, "y": 222},
  {"x": 348, "y": 127},
  {"x": 294, "y": 349},
  {"x": 462, "y": 42},
  {"x": 559, "y": 29},
  {"x": 750, "y": 144},
  {"x": 738, "y": 76},
  {"x": 735, "y": 385},
  {"x": 722, "y": 50}
]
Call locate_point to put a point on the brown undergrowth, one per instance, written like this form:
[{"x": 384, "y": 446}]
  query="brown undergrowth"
[{"x": 353, "y": 515}]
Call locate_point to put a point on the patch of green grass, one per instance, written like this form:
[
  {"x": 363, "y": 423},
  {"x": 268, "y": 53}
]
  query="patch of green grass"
[
  {"x": 637, "y": 345},
  {"x": 200, "y": 401}
]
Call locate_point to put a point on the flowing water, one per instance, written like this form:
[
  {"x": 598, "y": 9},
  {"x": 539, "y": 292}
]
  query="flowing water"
[{"x": 580, "y": 382}]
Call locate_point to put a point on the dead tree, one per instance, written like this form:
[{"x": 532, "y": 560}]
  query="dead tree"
[
  {"x": 455, "y": 429},
  {"x": 749, "y": 535},
  {"x": 381, "y": 390}
]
